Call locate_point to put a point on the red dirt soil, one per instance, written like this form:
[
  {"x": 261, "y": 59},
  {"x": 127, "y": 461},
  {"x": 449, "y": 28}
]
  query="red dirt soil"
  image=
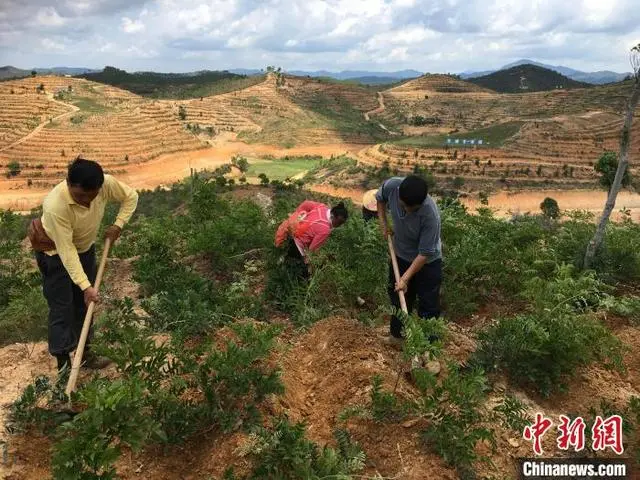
[{"x": 326, "y": 369}]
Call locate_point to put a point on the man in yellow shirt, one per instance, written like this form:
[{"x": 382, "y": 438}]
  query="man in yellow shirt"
[{"x": 64, "y": 241}]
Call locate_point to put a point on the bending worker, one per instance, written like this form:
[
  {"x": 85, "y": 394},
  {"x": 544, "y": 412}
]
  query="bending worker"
[
  {"x": 308, "y": 228},
  {"x": 417, "y": 244},
  {"x": 64, "y": 241}
]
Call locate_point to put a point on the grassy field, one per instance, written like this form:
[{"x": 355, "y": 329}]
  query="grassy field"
[
  {"x": 88, "y": 107},
  {"x": 282, "y": 168},
  {"x": 493, "y": 136}
]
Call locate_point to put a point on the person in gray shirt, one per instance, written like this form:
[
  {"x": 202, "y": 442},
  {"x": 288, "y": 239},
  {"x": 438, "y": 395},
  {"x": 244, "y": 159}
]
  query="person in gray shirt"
[{"x": 418, "y": 248}]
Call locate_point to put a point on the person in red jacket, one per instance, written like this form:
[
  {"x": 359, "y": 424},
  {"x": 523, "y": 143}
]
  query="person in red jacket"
[{"x": 308, "y": 228}]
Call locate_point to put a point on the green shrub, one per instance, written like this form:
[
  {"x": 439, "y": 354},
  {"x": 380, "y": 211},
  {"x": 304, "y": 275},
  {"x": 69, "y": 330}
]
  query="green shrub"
[
  {"x": 484, "y": 256},
  {"x": 513, "y": 414},
  {"x": 607, "y": 165},
  {"x": 457, "y": 421},
  {"x": 14, "y": 169},
  {"x": 165, "y": 393},
  {"x": 550, "y": 208},
  {"x": 540, "y": 351},
  {"x": 24, "y": 319},
  {"x": 116, "y": 416},
  {"x": 230, "y": 230},
  {"x": 33, "y": 408},
  {"x": 284, "y": 453}
]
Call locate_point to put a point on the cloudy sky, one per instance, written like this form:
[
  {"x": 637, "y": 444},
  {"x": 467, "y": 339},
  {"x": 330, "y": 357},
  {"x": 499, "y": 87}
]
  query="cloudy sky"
[{"x": 382, "y": 35}]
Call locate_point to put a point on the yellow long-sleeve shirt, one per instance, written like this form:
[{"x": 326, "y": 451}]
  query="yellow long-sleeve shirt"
[{"x": 74, "y": 228}]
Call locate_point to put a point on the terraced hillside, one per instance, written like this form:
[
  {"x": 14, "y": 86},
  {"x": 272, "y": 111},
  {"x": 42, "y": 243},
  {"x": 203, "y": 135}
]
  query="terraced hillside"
[
  {"x": 110, "y": 125},
  {"x": 529, "y": 139},
  {"x": 438, "y": 83},
  {"x": 298, "y": 111},
  {"x": 22, "y": 112},
  {"x": 480, "y": 108}
]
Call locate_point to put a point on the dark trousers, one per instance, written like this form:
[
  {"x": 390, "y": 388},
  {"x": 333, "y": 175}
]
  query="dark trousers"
[
  {"x": 66, "y": 301},
  {"x": 295, "y": 261},
  {"x": 425, "y": 285}
]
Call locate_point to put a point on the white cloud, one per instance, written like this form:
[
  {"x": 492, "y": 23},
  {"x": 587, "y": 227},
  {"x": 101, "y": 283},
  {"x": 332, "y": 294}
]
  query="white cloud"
[
  {"x": 240, "y": 42},
  {"x": 49, "y": 44},
  {"x": 132, "y": 26},
  {"x": 49, "y": 17},
  {"x": 138, "y": 52},
  {"x": 441, "y": 35},
  {"x": 107, "y": 47}
]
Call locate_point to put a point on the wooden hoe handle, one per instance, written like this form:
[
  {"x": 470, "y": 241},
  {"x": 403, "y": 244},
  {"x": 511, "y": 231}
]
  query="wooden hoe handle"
[
  {"x": 396, "y": 272},
  {"x": 77, "y": 358}
]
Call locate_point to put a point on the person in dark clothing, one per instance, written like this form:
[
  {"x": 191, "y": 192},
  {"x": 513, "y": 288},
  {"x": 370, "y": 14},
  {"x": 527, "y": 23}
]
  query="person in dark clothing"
[{"x": 417, "y": 244}]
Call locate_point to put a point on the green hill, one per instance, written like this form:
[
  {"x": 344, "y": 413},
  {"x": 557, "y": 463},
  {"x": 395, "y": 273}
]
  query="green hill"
[
  {"x": 174, "y": 85},
  {"x": 526, "y": 78},
  {"x": 9, "y": 72}
]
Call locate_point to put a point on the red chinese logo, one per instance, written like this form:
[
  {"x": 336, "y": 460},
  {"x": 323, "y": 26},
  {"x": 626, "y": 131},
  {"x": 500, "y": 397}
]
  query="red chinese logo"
[
  {"x": 605, "y": 433},
  {"x": 608, "y": 434},
  {"x": 536, "y": 431},
  {"x": 571, "y": 434}
]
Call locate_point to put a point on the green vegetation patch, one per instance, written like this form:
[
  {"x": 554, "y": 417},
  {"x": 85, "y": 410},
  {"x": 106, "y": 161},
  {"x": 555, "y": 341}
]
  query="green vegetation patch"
[
  {"x": 493, "y": 136},
  {"x": 283, "y": 168},
  {"x": 175, "y": 85}
]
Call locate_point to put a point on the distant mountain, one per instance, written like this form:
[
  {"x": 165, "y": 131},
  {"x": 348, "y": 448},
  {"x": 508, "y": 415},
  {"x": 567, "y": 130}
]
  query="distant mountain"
[
  {"x": 65, "y": 70},
  {"x": 596, "y": 78},
  {"x": 373, "y": 80},
  {"x": 246, "y": 71},
  {"x": 526, "y": 78},
  {"x": 353, "y": 74},
  {"x": 13, "y": 72}
]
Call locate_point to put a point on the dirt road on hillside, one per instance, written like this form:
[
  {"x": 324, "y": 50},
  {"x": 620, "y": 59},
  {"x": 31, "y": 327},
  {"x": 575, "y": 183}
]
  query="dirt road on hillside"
[
  {"x": 36, "y": 130},
  {"x": 380, "y": 109}
]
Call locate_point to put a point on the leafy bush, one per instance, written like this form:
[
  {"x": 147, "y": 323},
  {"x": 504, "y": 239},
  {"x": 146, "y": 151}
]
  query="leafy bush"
[
  {"x": 23, "y": 309},
  {"x": 88, "y": 447},
  {"x": 456, "y": 427},
  {"x": 285, "y": 453},
  {"x": 165, "y": 393},
  {"x": 386, "y": 406},
  {"x": 542, "y": 350},
  {"x": 484, "y": 255},
  {"x": 513, "y": 413},
  {"x": 607, "y": 165},
  {"x": 14, "y": 169},
  {"x": 240, "y": 162},
  {"x": 550, "y": 208},
  {"x": 31, "y": 410},
  {"x": 24, "y": 317},
  {"x": 226, "y": 231}
]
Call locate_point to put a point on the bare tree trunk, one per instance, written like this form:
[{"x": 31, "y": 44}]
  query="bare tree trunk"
[{"x": 623, "y": 162}]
